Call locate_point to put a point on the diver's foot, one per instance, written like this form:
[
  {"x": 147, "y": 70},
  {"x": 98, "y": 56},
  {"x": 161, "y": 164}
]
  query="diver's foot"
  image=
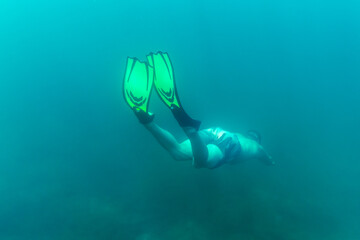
[
  {"x": 144, "y": 117},
  {"x": 184, "y": 120}
]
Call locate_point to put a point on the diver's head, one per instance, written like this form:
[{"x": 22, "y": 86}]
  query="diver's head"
[{"x": 254, "y": 135}]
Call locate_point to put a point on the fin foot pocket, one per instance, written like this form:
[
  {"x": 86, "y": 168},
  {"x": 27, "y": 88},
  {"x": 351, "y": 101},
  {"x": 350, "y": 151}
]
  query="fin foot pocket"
[
  {"x": 184, "y": 119},
  {"x": 144, "y": 117}
]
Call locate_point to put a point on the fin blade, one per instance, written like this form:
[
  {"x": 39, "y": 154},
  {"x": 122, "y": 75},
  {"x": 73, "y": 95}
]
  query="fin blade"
[
  {"x": 138, "y": 81},
  {"x": 164, "y": 80}
]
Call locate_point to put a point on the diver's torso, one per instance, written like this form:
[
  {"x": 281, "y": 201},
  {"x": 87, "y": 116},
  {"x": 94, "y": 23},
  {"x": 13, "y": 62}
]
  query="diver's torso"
[{"x": 235, "y": 147}]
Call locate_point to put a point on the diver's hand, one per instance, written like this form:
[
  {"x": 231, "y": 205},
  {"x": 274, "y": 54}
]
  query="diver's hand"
[{"x": 271, "y": 161}]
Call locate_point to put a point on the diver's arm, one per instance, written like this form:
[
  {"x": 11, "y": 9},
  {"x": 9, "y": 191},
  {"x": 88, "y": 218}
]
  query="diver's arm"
[{"x": 264, "y": 157}]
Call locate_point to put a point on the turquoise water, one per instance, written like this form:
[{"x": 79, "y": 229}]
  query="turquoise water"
[{"x": 76, "y": 164}]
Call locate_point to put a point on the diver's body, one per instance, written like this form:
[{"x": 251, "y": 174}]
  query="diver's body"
[{"x": 208, "y": 148}]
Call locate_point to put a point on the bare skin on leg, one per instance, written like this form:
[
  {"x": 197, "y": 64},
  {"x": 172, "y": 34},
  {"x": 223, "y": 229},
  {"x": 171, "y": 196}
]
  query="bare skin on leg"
[{"x": 194, "y": 148}]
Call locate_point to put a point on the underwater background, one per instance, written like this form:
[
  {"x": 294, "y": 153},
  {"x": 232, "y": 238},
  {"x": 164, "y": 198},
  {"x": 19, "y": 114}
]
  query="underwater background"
[{"x": 76, "y": 164}]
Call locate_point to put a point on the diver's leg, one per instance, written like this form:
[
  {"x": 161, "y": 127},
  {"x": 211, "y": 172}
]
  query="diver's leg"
[
  {"x": 264, "y": 157},
  {"x": 180, "y": 152},
  {"x": 198, "y": 146},
  {"x": 191, "y": 127},
  {"x": 193, "y": 148}
]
